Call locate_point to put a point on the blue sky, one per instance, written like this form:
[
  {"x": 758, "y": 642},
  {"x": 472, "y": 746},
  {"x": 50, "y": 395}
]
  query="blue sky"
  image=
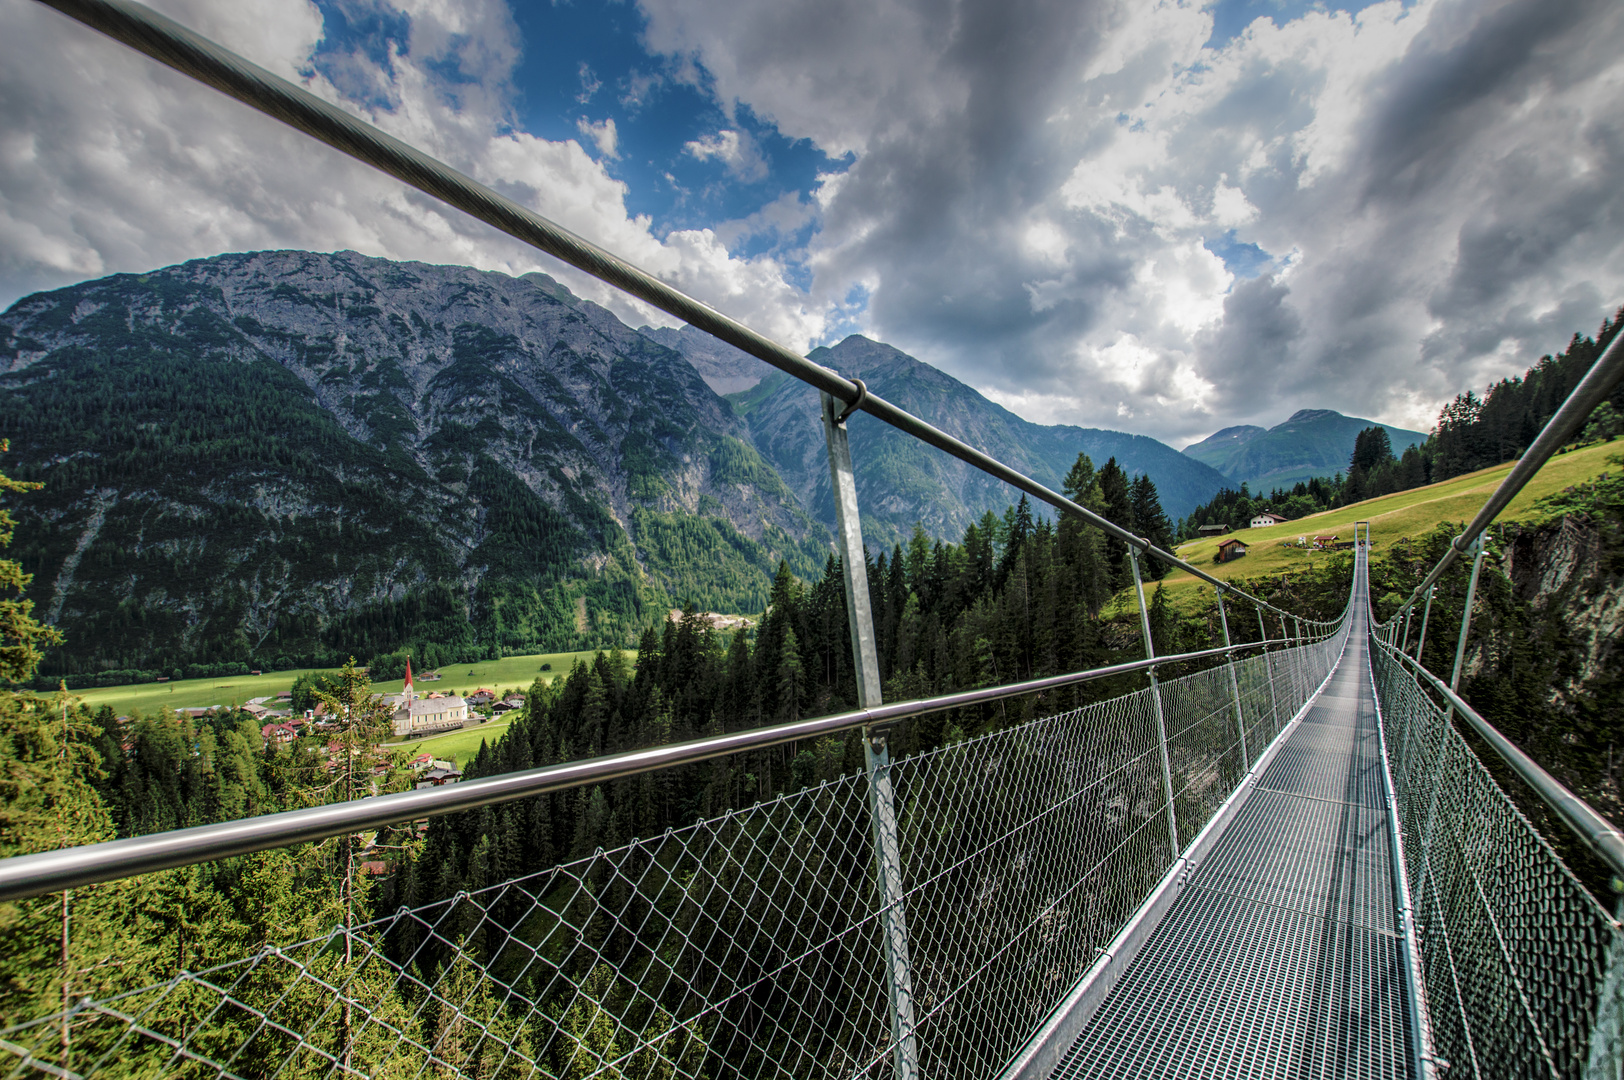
[{"x": 1148, "y": 215}]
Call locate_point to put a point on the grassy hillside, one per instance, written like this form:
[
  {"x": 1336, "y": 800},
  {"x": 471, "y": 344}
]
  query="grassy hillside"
[{"x": 1406, "y": 513}]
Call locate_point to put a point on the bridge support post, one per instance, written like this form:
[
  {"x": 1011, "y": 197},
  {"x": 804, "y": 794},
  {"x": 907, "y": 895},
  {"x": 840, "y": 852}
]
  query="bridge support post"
[
  {"x": 1421, "y": 642},
  {"x": 1156, "y": 702},
  {"x": 1291, "y": 671},
  {"x": 876, "y": 746},
  {"x": 1466, "y": 618},
  {"x": 1234, "y": 683},
  {"x": 1268, "y": 667}
]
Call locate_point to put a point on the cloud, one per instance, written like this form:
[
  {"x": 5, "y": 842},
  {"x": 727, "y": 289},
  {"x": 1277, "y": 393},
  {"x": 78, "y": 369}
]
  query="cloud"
[
  {"x": 603, "y": 135},
  {"x": 590, "y": 84},
  {"x": 638, "y": 88},
  {"x": 110, "y": 162},
  {"x": 735, "y": 149},
  {"x": 1038, "y": 191}
]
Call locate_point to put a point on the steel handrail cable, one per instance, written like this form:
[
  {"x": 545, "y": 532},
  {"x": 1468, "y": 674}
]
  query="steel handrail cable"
[
  {"x": 193, "y": 55},
  {"x": 1601, "y": 836}
]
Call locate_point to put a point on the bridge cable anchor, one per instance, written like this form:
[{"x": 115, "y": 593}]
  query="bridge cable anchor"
[{"x": 856, "y": 402}]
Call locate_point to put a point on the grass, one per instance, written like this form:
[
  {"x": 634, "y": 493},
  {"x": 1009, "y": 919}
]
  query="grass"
[
  {"x": 1391, "y": 517},
  {"x": 513, "y": 672},
  {"x": 457, "y": 746}
]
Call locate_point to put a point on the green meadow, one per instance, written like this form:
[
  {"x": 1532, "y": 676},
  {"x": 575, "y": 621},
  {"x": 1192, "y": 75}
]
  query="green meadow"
[
  {"x": 509, "y": 673},
  {"x": 458, "y": 746},
  {"x": 1273, "y": 550}
]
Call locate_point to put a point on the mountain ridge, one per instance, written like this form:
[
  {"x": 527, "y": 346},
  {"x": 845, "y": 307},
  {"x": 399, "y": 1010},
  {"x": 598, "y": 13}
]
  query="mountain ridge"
[
  {"x": 1308, "y": 443},
  {"x": 281, "y": 453},
  {"x": 894, "y": 472},
  {"x": 294, "y": 454}
]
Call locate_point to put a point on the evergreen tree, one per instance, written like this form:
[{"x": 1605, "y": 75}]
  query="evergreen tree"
[
  {"x": 1116, "y": 498},
  {"x": 21, "y": 635},
  {"x": 1150, "y": 521}
]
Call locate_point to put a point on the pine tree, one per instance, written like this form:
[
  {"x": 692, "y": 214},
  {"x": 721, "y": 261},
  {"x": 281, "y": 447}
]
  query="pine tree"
[{"x": 21, "y": 635}]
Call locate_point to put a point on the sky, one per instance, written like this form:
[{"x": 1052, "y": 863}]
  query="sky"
[{"x": 1157, "y": 217}]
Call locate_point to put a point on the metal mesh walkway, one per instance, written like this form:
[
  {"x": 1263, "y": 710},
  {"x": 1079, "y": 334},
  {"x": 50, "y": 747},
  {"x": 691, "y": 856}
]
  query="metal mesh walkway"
[{"x": 1284, "y": 954}]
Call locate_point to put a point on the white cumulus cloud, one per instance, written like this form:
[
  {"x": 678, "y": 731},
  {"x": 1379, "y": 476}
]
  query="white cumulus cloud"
[
  {"x": 1039, "y": 191},
  {"x": 735, "y": 149},
  {"x": 110, "y": 162}
]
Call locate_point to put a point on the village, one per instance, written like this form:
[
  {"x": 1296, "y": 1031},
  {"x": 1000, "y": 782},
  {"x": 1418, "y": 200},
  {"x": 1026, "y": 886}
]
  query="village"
[
  {"x": 413, "y": 718},
  {"x": 1233, "y": 548}
]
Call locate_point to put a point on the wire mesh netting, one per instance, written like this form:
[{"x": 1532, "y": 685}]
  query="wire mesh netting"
[
  {"x": 747, "y": 945},
  {"x": 1513, "y": 948},
  {"x": 1025, "y": 852}
]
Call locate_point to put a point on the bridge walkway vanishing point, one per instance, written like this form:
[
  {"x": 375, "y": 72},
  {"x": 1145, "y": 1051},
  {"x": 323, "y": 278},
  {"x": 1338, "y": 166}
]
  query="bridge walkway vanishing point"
[{"x": 1283, "y": 956}]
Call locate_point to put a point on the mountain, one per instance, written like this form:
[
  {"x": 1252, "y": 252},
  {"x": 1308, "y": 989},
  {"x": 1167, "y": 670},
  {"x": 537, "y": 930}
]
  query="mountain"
[
  {"x": 1313, "y": 442},
  {"x": 288, "y": 454},
  {"x": 725, "y": 369},
  {"x": 901, "y": 481},
  {"x": 290, "y": 457}
]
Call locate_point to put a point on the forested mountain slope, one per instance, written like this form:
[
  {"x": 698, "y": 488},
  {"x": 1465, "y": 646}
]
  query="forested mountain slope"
[{"x": 295, "y": 454}]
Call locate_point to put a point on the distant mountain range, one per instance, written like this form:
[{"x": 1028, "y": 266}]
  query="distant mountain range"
[
  {"x": 901, "y": 481},
  {"x": 1312, "y": 442},
  {"x": 279, "y": 453}
]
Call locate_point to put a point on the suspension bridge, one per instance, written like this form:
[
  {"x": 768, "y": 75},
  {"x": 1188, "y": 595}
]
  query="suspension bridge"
[{"x": 1289, "y": 863}]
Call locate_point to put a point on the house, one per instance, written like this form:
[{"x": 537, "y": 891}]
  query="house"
[
  {"x": 1324, "y": 541},
  {"x": 439, "y": 775},
  {"x": 1212, "y": 530},
  {"x": 516, "y": 700},
  {"x": 282, "y": 733},
  {"x": 430, "y": 714},
  {"x": 256, "y": 711},
  {"x": 1263, "y": 521},
  {"x": 421, "y": 762},
  {"x": 482, "y": 696},
  {"x": 1230, "y": 550},
  {"x": 502, "y": 708}
]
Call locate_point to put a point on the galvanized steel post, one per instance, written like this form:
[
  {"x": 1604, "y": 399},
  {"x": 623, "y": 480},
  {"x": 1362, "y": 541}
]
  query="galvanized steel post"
[
  {"x": 1234, "y": 684},
  {"x": 1466, "y": 619},
  {"x": 1291, "y": 668},
  {"x": 1156, "y": 702},
  {"x": 1268, "y": 666},
  {"x": 1421, "y": 642},
  {"x": 876, "y": 748}
]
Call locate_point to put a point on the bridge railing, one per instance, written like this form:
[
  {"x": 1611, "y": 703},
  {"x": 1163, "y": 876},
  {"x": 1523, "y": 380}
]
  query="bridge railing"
[
  {"x": 1521, "y": 963},
  {"x": 752, "y": 944},
  {"x": 1514, "y": 950}
]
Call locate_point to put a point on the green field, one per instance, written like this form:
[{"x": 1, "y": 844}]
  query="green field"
[
  {"x": 1391, "y": 517},
  {"x": 458, "y": 746},
  {"x": 510, "y": 673}
]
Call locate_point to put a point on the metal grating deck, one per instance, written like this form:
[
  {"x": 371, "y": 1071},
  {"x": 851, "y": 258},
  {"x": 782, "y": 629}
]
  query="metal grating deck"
[{"x": 1283, "y": 956}]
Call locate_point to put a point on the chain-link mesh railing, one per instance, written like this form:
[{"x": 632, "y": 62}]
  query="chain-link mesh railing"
[
  {"x": 1513, "y": 949},
  {"x": 746, "y": 945}
]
